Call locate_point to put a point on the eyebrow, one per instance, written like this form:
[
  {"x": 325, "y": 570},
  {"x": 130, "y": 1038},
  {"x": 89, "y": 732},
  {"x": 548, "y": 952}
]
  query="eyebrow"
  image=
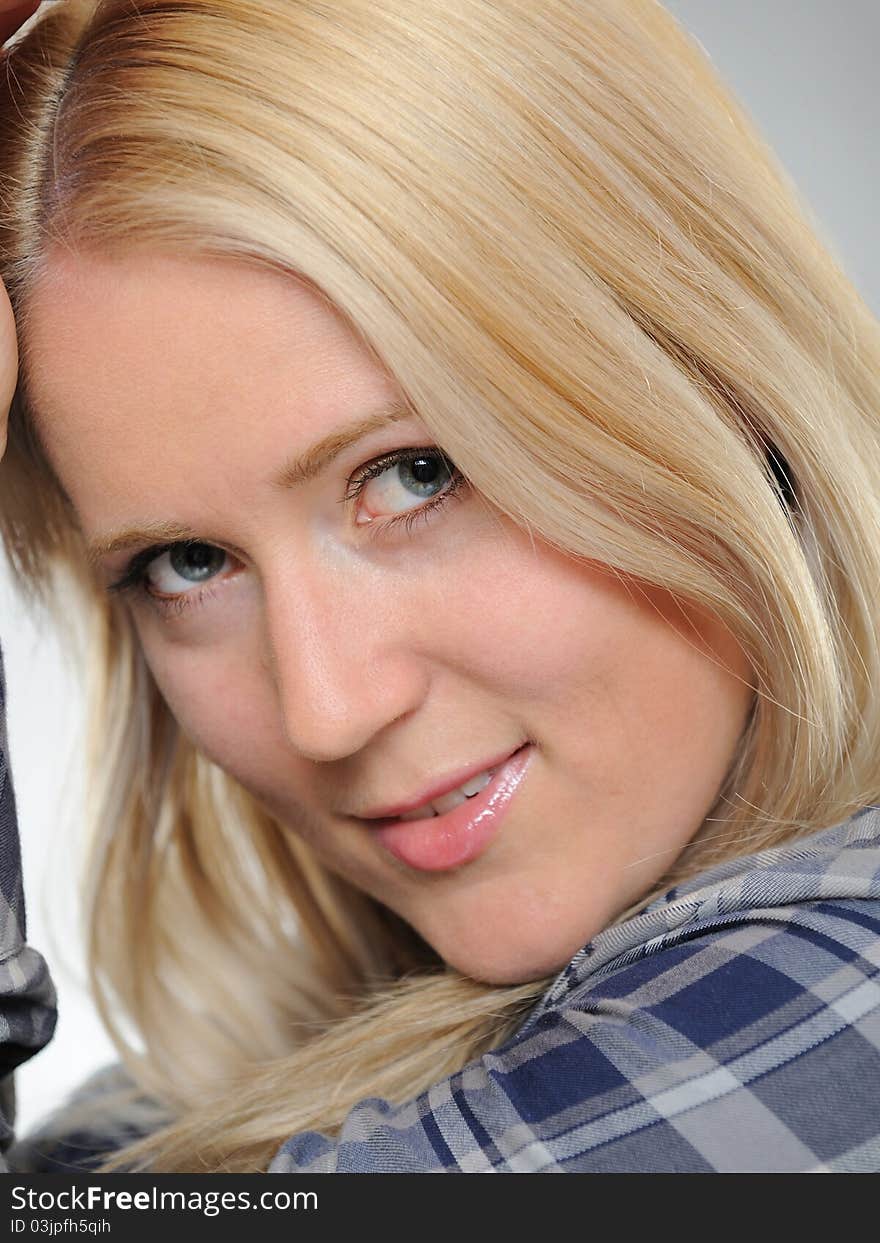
[
  {"x": 316, "y": 459},
  {"x": 293, "y": 474}
]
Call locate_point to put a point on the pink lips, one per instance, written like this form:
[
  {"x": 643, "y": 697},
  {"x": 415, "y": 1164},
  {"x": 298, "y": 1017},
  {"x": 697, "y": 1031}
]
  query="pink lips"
[
  {"x": 438, "y": 843},
  {"x": 452, "y": 781}
]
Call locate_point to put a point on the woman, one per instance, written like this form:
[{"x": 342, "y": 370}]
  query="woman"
[{"x": 433, "y": 411}]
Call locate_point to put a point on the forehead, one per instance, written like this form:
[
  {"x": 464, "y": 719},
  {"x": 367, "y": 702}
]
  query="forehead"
[
  {"x": 124, "y": 324},
  {"x": 129, "y": 355}
]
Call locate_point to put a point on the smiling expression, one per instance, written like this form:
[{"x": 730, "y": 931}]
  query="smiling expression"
[{"x": 358, "y": 632}]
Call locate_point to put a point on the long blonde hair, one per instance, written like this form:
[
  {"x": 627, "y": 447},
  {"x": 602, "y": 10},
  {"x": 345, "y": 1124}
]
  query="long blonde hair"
[{"x": 564, "y": 239}]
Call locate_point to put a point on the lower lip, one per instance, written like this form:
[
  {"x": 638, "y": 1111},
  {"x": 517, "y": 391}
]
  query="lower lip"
[{"x": 439, "y": 843}]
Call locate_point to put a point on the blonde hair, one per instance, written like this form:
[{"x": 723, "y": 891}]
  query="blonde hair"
[{"x": 565, "y": 241}]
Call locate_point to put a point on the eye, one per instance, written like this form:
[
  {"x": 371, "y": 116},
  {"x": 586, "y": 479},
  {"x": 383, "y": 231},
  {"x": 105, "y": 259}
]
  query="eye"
[
  {"x": 400, "y": 482},
  {"x": 184, "y": 567}
]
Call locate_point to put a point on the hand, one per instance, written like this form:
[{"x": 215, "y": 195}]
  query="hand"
[{"x": 12, "y": 15}]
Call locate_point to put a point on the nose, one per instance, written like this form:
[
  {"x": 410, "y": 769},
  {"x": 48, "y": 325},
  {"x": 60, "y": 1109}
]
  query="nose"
[{"x": 343, "y": 660}]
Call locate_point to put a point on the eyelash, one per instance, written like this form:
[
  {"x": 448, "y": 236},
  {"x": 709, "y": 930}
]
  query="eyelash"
[{"x": 134, "y": 579}]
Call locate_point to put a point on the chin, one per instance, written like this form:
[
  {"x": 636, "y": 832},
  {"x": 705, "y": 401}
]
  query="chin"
[
  {"x": 515, "y": 962},
  {"x": 510, "y": 930}
]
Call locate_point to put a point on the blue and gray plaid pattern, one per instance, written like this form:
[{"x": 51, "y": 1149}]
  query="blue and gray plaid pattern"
[
  {"x": 27, "y": 996},
  {"x": 733, "y": 1025}
]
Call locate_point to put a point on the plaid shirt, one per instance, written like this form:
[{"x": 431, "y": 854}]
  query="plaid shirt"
[{"x": 733, "y": 1025}]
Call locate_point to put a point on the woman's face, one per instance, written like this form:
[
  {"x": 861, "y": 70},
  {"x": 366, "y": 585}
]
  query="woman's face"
[{"x": 354, "y": 630}]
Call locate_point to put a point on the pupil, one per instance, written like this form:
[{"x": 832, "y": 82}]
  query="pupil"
[
  {"x": 196, "y": 561},
  {"x": 425, "y": 469}
]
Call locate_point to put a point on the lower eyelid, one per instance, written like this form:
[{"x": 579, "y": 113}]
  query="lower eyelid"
[{"x": 171, "y": 606}]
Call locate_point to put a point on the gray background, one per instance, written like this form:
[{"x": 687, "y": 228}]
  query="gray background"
[{"x": 806, "y": 72}]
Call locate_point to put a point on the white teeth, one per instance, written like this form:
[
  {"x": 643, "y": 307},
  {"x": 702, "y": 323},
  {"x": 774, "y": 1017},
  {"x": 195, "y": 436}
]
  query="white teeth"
[
  {"x": 420, "y": 813},
  {"x": 476, "y": 784},
  {"x": 454, "y": 798},
  {"x": 446, "y": 802}
]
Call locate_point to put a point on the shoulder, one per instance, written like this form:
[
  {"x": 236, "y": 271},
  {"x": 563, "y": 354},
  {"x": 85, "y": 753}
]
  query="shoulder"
[
  {"x": 732, "y": 1027},
  {"x": 737, "y": 1022},
  {"x": 748, "y": 1046},
  {"x": 742, "y": 1049}
]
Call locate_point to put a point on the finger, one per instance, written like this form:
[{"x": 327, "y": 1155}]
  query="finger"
[
  {"x": 8, "y": 362},
  {"x": 12, "y": 15}
]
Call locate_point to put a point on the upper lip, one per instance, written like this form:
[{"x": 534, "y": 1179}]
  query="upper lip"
[{"x": 437, "y": 788}]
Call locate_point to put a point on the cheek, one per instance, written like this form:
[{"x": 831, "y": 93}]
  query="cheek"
[
  {"x": 219, "y": 702},
  {"x": 513, "y": 617},
  {"x": 610, "y": 672},
  {"x": 535, "y": 627}
]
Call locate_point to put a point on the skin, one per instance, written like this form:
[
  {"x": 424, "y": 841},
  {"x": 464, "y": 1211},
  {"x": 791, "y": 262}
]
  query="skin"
[{"x": 334, "y": 665}]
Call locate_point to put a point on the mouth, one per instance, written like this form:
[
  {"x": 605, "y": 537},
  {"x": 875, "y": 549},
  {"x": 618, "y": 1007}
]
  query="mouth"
[{"x": 432, "y": 841}]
